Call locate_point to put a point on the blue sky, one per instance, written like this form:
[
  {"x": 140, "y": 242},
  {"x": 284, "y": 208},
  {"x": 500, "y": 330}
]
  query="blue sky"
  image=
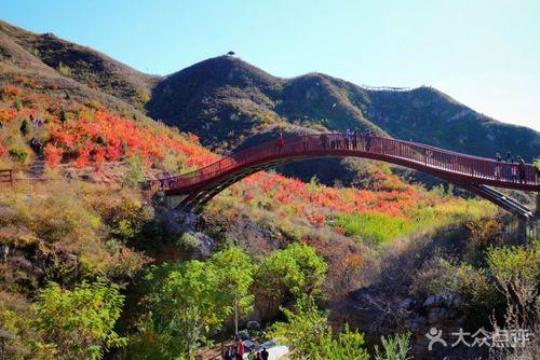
[{"x": 485, "y": 54}]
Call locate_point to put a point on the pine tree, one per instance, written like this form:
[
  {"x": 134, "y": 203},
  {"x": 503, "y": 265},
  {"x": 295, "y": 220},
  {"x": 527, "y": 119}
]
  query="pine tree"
[{"x": 25, "y": 127}]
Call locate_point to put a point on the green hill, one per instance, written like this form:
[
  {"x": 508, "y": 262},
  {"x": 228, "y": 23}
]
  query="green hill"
[{"x": 224, "y": 100}]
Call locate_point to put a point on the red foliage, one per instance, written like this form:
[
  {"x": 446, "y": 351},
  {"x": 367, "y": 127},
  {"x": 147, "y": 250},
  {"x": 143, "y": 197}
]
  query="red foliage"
[
  {"x": 11, "y": 90},
  {"x": 100, "y": 157},
  {"x": 248, "y": 196},
  {"x": 83, "y": 159},
  {"x": 106, "y": 137},
  {"x": 53, "y": 155},
  {"x": 3, "y": 150},
  {"x": 394, "y": 198}
]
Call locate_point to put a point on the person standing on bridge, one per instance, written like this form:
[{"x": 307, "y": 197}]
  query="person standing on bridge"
[
  {"x": 498, "y": 166},
  {"x": 514, "y": 172},
  {"x": 368, "y": 140},
  {"x": 280, "y": 142},
  {"x": 346, "y": 140},
  {"x": 324, "y": 140},
  {"x": 508, "y": 169},
  {"x": 305, "y": 141},
  {"x": 522, "y": 172},
  {"x": 337, "y": 136},
  {"x": 348, "y": 134}
]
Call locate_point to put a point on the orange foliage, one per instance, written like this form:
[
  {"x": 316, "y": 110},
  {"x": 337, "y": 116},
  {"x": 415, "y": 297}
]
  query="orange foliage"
[
  {"x": 106, "y": 137},
  {"x": 11, "y": 90},
  {"x": 293, "y": 193},
  {"x": 7, "y": 115},
  {"x": 53, "y": 155}
]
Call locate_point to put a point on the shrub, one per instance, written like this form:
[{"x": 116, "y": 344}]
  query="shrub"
[
  {"x": 53, "y": 155},
  {"x": 187, "y": 241},
  {"x": 17, "y": 104},
  {"x": 394, "y": 348},
  {"x": 127, "y": 220},
  {"x": 63, "y": 116},
  {"x": 517, "y": 271},
  {"x": 309, "y": 336},
  {"x": 287, "y": 275},
  {"x": 80, "y": 322},
  {"x": 66, "y": 228},
  {"x": 19, "y": 154},
  {"x": 136, "y": 171},
  {"x": 25, "y": 127},
  {"x": 64, "y": 69},
  {"x": 6, "y": 115},
  {"x": 442, "y": 278},
  {"x": 11, "y": 90},
  {"x": 17, "y": 318}
]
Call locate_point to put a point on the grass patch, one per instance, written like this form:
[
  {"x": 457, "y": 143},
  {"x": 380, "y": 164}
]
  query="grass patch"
[{"x": 372, "y": 226}]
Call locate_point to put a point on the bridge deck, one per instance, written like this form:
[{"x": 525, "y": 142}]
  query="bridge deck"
[{"x": 452, "y": 166}]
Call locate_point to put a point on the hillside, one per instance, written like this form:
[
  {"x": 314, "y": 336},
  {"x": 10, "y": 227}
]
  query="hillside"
[
  {"x": 44, "y": 52},
  {"x": 225, "y": 99},
  {"x": 88, "y": 218},
  {"x": 95, "y": 265}
]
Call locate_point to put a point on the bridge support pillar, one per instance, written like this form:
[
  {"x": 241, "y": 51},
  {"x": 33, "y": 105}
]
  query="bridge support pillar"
[{"x": 172, "y": 201}]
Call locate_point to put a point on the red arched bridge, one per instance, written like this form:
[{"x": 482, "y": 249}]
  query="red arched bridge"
[{"x": 476, "y": 174}]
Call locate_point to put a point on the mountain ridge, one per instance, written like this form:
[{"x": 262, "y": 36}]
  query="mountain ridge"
[
  {"x": 225, "y": 100},
  {"x": 244, "y": 106}
]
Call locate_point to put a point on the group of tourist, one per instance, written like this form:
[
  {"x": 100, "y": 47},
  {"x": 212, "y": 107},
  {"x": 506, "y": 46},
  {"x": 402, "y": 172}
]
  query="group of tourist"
[
  {"x": 509, "y": 169},
  {"x": 346, "y": 141},
  {"x": 349, "y": 140},
  {"x": 238, "y": 350}
]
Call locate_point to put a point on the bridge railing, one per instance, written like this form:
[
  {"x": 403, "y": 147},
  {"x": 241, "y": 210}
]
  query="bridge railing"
[{"x": 341, "y": 144}]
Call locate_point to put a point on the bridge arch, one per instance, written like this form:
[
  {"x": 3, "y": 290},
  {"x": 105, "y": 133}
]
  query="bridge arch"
[{"x": 476, "y": 174}]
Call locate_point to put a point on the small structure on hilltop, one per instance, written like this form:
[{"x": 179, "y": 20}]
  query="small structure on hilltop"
[{"x": 231, "y": 53}]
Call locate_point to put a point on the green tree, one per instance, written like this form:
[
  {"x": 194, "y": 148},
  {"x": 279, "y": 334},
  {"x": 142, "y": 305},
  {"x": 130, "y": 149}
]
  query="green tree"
[
  {"x": 25, "y": 127},
  {"x": 235, "y": 271},
  {"x": 516, "y": 270},
  {"x": 309, "y": 336},
  {"x": 80, "y": 322},
  {"x": 185, "y": 306},
  {"x": 17, "y": 104},
  {"x": 63, "y": 116},
  {"x": 287, "y": 275}
]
